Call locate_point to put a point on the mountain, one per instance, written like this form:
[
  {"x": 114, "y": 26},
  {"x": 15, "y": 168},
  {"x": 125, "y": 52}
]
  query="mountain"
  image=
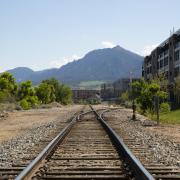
[
  {"x": 21, "y": 73},
  {"x": 107, "y": 64}
]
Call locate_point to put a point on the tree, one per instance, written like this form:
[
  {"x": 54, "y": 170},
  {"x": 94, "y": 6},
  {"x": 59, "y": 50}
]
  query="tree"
[
  {"x": 26, "y": 95},
  {"x": 45, "y": 92},
  {"x": 8, "y": 87},
  {"x": 144, "y": 93},
  {"x": 64, "y": 95},
  {"x": 7, "y": 83},
  {"x": 25, "y": 89}
]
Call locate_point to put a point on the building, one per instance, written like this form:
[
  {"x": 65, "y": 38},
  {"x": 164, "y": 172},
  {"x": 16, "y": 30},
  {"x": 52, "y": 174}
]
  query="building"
[
  {"x": 85, "y": 94},
  {"x": 107, "y": 91},
  {"x": 112, "y": 91},
  {"x": 164, "y": 60}
]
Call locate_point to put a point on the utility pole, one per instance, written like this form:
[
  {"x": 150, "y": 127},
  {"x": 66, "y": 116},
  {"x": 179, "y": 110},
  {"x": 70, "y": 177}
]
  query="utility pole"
[{"x": 133, "y": 101}]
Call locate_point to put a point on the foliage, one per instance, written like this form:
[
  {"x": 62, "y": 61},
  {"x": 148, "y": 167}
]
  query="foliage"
[
  {"x": 26, "y": 95},
  {"x": 177, "y": 86},
  {"x": 7, "y": 83},
  {"x": 64, "y": 95},
  {"x": 24, "y": 104},
  {"x": 124, "y": 96},
  {"x": 165, "y": 108},
  {"x": 5, "y": 96},
  {"x": 55, "y": 84},
  {"x": 128, "y": 104},
  {"x": 25, "y": 89},
  {"x": 8, "y": 87},
  {"x": 93, "y": 101},
  {"x": 46, "y": 93},
  {"x": 144, "y": 93}
]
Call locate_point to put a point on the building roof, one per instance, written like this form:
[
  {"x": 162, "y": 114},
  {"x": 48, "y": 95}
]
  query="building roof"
[{"x": 166, "y": 41}]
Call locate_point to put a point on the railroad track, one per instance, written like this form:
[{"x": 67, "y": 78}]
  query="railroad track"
[
  {"x": 87, "y": 148},
  {"x": 158, "y": 169}
]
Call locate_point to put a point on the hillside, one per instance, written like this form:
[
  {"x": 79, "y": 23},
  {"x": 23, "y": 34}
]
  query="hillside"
[{"x": 98, "y": 65}]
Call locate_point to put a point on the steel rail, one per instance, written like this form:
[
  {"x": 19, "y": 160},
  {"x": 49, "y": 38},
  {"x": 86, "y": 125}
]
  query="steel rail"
[
  {"x": 135, "y": 165},
  {"x": 49, "y": 148}
]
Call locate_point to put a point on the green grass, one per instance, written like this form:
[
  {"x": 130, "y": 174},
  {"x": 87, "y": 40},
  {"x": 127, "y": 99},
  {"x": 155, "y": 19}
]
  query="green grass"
[{"x": 172, "y": 117}]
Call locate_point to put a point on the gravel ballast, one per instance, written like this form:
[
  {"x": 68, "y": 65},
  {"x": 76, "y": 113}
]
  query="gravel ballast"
[
  {"x": 163, "y": 149},
  {"x": 15, "y": 150}
]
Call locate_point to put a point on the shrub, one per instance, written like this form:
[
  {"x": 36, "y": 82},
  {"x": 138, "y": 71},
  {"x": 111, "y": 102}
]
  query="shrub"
[
  {"x": 45, "y": 93},
  {"x": 124, "y": 97},
  {"x": 25, "y": 104},
  {"x": 128, "y": 104},
  {"x": 165, "y": 108}
]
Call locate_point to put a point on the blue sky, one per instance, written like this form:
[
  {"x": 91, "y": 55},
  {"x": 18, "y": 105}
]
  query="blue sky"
[{"x": 48, "y": 33}]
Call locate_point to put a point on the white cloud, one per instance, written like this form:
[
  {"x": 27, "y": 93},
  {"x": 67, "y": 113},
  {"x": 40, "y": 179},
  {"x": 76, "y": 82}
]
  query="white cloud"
[
  {"x": 62, "y": 61},
  {"x": 108, "y": 44},
  {"x": 148, "y": 49}
]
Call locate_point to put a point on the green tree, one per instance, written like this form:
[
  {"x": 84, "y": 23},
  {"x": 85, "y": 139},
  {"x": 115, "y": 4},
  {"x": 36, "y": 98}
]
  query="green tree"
[
  {"x": 45, "y": 92},
  {"x": 8, "y": 87},
  {"x": 26, "y": 95},
  {"x": 7, "y": 82},
  {"x": 144, "y": 93},
  {"x": 25, "y": 89},
  {"x": 64, "y": 95},
  {"x": 54, "y": 82}
]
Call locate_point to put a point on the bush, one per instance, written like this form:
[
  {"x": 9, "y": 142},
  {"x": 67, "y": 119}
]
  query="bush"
[
  {"x": 164, "y": 108},
  {"x": 124, "y": 97},
  {"x": 33, "y": 100},
  {"x": 93, "y": 101},
  {"x": 45, "y": 93},
  {"x": 5, "y": 96},
  {"x": 29, "y": 102},
  {"x": 25, "y": 104},
  {"x": 128, "y": 104}
]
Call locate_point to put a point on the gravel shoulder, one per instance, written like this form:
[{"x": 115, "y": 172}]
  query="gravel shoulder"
[
  {"x": 30, "y": 131},
  {"x": 17, "y": 122},
  {"x": 162, "y": 141}
]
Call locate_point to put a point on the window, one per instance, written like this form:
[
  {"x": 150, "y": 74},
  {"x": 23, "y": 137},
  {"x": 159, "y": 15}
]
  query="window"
[
  {"x": 177, "y": 45},
  {"x": 176, "y": 71},
  {"x": 176, "y": 56},
  {"x": 166, "y": 52},
  {"x": 161, "y": 63},
  {"x": 166, "y": 62},
  {"x": 150, "y": 69},
  {"x": 158, "y": 65}
]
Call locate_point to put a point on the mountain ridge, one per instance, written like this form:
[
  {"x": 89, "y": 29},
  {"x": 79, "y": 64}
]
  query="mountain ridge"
[{"x": 106, "y": 64}]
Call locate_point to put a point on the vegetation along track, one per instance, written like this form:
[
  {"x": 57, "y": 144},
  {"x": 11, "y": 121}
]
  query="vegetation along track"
[{"x": 87, "y": 148}]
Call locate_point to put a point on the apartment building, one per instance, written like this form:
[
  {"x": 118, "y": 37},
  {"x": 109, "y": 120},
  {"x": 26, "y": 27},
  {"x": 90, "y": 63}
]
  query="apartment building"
[{"x": 164, "y": 60}]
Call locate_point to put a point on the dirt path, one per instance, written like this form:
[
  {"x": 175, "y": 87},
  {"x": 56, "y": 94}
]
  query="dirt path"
[{"x": 19, "y": 121}]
